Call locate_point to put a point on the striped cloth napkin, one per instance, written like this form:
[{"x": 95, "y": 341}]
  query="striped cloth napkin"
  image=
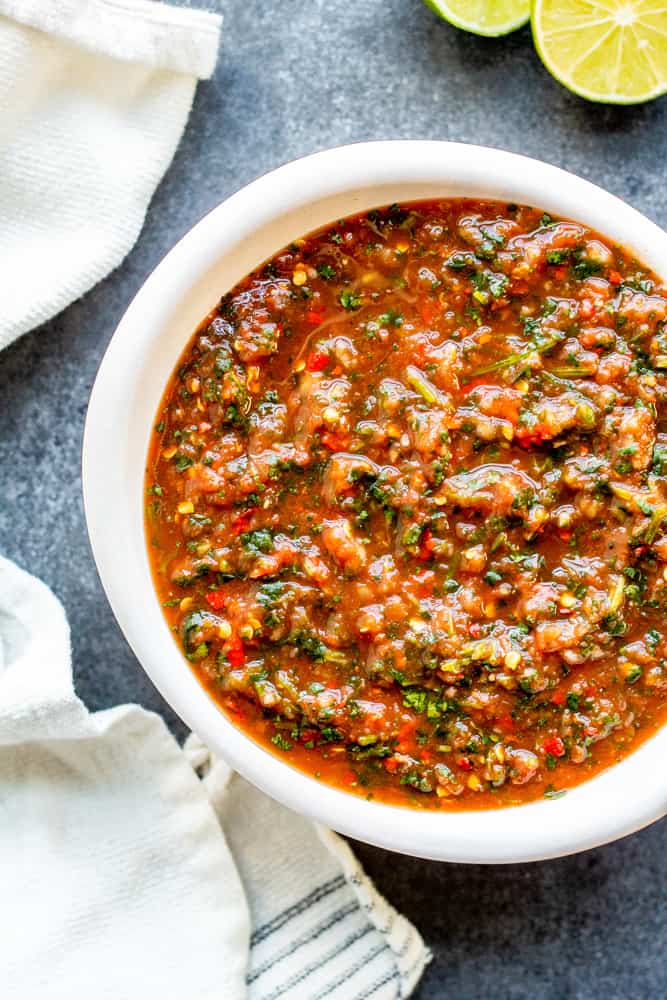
[{"x": 131, "y": 868}]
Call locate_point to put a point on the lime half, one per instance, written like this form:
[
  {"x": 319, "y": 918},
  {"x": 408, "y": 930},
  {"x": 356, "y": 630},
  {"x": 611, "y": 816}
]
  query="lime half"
[
  {"x": 613, "y": 51},
  {"x": 483, "y": 17}
]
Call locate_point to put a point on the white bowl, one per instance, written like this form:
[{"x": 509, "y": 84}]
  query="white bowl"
[{"x": 234, "y": 238}]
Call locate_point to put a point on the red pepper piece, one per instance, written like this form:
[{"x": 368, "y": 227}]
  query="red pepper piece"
[
  {"x": 426, "y": 545},
  {"x": 235, "y": 652},
  {"x": 464, "y": 764},
  {"x": 406, "y": 735},
  {"x": 558, "y": 698},
  {"x": 555, "y": 746},
  {"x": 241, "y": 521},
  {"x": 215, "y": 599},
  {"x": 315, "y": 316},
  {"x": 615, "y": 278},
  {"x": 535, "y": 435},
  {"x": 317, "y": 361}
]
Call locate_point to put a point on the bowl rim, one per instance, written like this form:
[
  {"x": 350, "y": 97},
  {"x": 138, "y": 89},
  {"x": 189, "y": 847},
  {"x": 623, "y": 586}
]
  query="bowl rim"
[{"x": 617, "y": 802}]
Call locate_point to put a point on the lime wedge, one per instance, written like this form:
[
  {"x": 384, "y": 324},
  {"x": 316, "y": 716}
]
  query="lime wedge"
[
  {"x": 483, "y": 17},
  {"x": 614, "y": 51}
]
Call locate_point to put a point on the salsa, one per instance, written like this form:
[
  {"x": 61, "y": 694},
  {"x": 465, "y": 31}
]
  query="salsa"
[{"x": 406, "y": 504}]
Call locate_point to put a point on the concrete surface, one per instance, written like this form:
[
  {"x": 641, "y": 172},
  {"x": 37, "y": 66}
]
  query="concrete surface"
[{"x": 294, "y": 77}]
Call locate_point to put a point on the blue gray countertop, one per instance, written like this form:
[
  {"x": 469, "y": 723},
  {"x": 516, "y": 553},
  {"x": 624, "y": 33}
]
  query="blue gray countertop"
[{"x": 294, "y": 77}]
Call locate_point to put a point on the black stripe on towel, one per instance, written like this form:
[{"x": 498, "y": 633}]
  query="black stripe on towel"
[
  {"x": 298, "y": 979},
  {"x": 311, "y": 935},
  {"x": 353, "y": 969},
  {"x": 396, "y": 974},
  {"x": 379, "y": 983},
  {"x": 293, "y": 911}
]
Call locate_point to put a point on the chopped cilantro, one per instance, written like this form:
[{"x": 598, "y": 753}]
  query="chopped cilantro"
[
  {"x": 326, "y": 271},
  {"x": 583, "y": 268},
  {"x": 349, "y": 300},
  {"x": 390, "y": 318},
  {"x": 412, "y": 535},
  {"x": 416, "y": 781},
  {"x": 423, "y": 701},
  {"x": 183, "y": 462},
  {"x": 258, "y": 541},
  {"x": 558, "y": 256},
  {"x": 660, "y": 459},
  {"x": 524, "y": 500},
  {"x": 281, "y": 742},
  {"x": 309, "y": 644}
]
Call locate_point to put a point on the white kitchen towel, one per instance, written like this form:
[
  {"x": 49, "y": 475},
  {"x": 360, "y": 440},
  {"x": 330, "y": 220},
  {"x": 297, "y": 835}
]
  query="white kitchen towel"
[
  {"x": 94, "y": 97},
  {"x": 117, "y": 879}
]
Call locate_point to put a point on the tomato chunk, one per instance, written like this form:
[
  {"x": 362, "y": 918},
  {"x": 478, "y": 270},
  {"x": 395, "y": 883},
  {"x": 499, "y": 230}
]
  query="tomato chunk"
[
  {"x": 317, "y": 361},
  {"x": 555, "y": 746},
  {"x": 215, "y": 599}
]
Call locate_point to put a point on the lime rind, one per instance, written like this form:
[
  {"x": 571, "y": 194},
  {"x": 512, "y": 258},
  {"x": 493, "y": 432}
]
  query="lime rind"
[
  {"x": 611, "y": 32},
  {"x": 493, "y": 29}
]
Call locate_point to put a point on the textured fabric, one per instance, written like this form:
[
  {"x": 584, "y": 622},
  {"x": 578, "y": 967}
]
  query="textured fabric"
[
  {"x": 320, "y": 928},
  {"x": 131, "y": 869},
  {"x": 116, "y": 880},
  {"x": 94, "y": 97}
]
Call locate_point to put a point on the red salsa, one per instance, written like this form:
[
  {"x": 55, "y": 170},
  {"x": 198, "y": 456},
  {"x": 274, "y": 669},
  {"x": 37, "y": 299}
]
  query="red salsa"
[{"x": 407, "y": 504}]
